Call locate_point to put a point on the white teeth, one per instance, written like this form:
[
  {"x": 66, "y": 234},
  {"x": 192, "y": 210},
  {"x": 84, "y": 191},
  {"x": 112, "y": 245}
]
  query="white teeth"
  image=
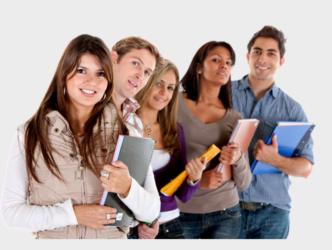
[
  {"x": 87, "y": 91},
  {"x": 133, "y": 83},
  {"x": 262, "y": 67}
]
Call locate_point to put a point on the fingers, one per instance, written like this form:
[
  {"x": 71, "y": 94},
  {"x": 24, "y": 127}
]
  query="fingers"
[
  {"x": 230, "y": 154},
  {"x": 146, "y": 232},
  {"x": 195, "y": 168}
]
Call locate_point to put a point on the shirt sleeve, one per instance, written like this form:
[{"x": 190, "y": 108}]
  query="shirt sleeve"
[
  {"x": 15, "y": 208},
  {"x": 144, "y": 202}
]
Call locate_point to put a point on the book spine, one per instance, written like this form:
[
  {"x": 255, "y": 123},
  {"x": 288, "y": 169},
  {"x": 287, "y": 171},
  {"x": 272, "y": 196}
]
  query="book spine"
[{"x": 303, "y": 142}]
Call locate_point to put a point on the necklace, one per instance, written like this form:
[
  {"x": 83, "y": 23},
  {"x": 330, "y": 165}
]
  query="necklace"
[{"x": 148, "y": 129}]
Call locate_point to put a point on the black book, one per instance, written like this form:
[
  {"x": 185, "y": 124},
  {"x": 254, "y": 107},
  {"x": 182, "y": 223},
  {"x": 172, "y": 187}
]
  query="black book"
[{"x": 136, "y": 153}]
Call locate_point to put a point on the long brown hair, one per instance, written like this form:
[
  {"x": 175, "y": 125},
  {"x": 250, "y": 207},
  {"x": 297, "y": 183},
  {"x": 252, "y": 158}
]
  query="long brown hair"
[
  {"x": 167, "y": 117},
  {"x": 55, "y": 99}
]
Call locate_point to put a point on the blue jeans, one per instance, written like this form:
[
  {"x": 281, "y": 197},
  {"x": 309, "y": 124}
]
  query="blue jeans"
[
  {"x": 224, "y": 224},
  {"x": 170, "y": 230},
  {"x": 267, "y": 222}
]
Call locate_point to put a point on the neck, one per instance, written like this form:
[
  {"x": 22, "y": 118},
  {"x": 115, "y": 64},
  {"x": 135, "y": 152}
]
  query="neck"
[
  {"x": 209, "y": 93},
  {"x": 117, "y": 100},
  {"x": 259, "y": 86},
  {"x": 77, "y": 119},
  {"x": 148, "y": 116}
]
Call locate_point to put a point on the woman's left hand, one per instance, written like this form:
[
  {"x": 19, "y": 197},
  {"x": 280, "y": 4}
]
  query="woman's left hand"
[
  {"x": 146, "y": 232},
  {"x": 118, "y": 180}
]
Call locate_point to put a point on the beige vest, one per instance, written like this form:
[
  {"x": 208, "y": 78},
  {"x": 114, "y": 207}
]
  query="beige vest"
[{"x": 80, "y": 184}]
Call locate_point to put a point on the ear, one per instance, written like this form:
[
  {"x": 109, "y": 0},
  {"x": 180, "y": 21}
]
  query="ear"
[
  {"x": 199, "y": 69},
  {"x": 282, "y": 61},
  {"x": 248, "y": 57},
  {"x": 114, "y": 57}
]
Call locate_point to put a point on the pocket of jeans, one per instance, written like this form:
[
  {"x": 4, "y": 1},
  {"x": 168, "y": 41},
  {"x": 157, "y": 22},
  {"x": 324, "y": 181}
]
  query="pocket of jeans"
[{"x": 233, "y": 212}]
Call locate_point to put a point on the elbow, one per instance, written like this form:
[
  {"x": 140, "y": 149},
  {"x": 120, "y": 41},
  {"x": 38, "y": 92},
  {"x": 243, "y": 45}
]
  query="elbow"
[
  {"x": 307, "y": 171},
  {"x": 244, "y": 184}
]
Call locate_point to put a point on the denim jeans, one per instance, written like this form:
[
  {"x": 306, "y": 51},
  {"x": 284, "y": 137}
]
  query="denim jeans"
[
  {"x": 169, "y": 230},
  {"x": 268, "y": 222},
  {"x": 224, "y": 224}
]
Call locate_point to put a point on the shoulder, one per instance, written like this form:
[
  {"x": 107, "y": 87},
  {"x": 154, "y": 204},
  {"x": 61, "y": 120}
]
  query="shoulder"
[
  {"x": 236, "y": 84},
  {"x": 294, "y": 108}
]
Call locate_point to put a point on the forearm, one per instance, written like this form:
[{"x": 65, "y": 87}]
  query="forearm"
[
  {"x": 144, "y": 202},
  {"x": 296, "y": 166},
  {"x": 38, "y": 218},
  {"x": 241, "y": 173}
]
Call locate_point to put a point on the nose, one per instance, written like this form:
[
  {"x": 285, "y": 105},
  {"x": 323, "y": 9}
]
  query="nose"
[
  {"x": 91, "y": 78},
  {"x": 262, "y": 57},
  {"x": 162, "y": 90},
  {"x": 139, "y": 74},
  {"x": 222, "y": 64}
]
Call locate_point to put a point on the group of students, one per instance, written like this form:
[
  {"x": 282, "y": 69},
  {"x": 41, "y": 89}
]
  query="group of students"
[{"x": 54, "y": 182}]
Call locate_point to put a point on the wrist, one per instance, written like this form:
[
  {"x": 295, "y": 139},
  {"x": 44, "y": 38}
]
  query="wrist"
[
  {"x": 193, "y": 182},
  {"x": 126, "y": 192}
]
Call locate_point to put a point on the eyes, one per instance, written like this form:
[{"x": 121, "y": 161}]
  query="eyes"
[
  {"x": 161, "y": 84},
  {"x": 269, "y": 53},
  {"x": 217, "y": 60},
  {"x": 138, "y": 65},
  {"x": 83, "y": 71}
]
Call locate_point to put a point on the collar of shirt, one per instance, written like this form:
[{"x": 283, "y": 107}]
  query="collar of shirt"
[
  {"x": 129, "y": 106},
  {"x": 131, "y": 120},
  {"x": 245, "y": 85}
]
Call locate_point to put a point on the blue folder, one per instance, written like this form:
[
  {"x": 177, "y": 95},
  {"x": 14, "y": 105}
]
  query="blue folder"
[{"x": 291, "y": 138}]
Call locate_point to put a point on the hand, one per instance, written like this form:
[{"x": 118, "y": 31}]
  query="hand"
[
  {"x": 146, "y": 232},
  {"x": 267, "y": 153},
  {"x": 211, "y": 179},
  {"x": 230, "y": 154},
  {"x": 119, "y": 179},
  {"x": 195, "y": 169},
  {"x": 94, "y": 216}
]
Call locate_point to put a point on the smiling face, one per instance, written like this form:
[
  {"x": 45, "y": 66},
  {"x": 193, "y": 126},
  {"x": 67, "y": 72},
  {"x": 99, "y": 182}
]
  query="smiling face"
[
  {"x": 216, "y": 67},
  {"x": 131, "y": 72},
  {"x": 264, "y": 59},
  {"x": 162, "y": 92},
  {"x": 86, "y": 85}
]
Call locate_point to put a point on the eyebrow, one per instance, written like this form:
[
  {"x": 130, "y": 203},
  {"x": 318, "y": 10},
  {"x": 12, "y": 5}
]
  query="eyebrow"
[
  {"x": 215, "y": 54},
  {"x": 83, "y": 67},
  {"x": 269, "y": 50}
]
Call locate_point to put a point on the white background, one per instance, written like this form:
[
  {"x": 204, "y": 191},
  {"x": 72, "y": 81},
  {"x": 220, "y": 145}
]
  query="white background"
[{"x": 33, "y": 35}]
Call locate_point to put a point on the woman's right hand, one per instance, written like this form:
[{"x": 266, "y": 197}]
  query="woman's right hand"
[
  {"x": 94, "y": 216},
  {"x": 195, "y": 169}
]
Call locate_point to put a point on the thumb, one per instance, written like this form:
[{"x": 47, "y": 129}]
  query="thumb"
[{"x": 274, "y": 141}]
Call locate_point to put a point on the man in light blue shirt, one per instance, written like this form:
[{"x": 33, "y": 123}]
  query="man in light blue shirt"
[{"x": 266, "y": 204}]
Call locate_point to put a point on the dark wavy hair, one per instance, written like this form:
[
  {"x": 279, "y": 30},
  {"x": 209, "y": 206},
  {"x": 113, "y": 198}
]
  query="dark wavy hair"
[
  {"x": 191, "y": 81},
  {"x": 270, "y": 32}
]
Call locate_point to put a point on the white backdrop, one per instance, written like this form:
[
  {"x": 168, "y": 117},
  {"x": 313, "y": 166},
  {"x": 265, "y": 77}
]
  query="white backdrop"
[{"x": 34, "y": 34}]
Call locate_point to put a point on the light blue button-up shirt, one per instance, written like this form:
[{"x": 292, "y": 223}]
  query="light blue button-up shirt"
[{"x": 274, "y": 106}]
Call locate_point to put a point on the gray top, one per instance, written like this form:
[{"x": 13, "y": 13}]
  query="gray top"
[
  {"x": 199, "y": 136},
  {"x": 274, "y": 106}
]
